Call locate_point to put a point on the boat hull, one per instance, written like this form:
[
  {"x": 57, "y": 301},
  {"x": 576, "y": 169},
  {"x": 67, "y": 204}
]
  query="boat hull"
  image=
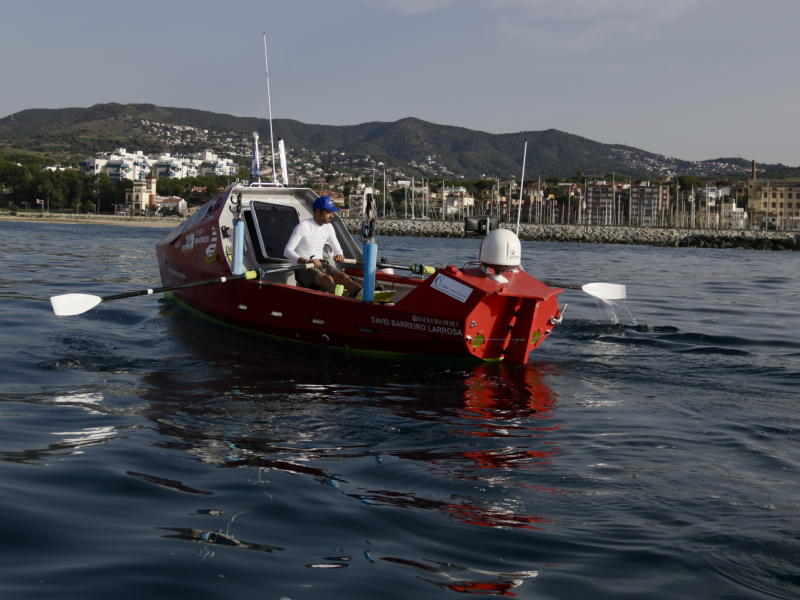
[{"x": 454, "y": 312}]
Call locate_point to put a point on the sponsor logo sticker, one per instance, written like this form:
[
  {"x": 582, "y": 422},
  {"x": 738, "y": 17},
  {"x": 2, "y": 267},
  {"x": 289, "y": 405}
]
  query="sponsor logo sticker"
[
  {"x": 188, "y": 243},
  {"x": 212, "y": 246},
  {"x": 452, "y": 288}
]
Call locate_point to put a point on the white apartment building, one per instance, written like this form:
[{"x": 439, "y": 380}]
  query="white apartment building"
[
  {"x": 173, "y": 203},
  {"x": 456, "y": 201},
  {"x": 120, "y": 164}
]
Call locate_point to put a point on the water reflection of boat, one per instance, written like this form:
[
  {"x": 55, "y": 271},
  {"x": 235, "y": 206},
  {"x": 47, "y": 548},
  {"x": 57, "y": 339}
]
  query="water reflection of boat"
[
  {"x": 230, "y": 411},
  {"x": 461, "y": 579}
]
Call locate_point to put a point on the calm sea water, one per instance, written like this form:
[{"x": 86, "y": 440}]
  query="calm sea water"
[{"x": 647, "y": 451}]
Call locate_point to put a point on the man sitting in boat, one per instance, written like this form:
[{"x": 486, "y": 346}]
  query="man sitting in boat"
[{"x": 306, "y": 245}]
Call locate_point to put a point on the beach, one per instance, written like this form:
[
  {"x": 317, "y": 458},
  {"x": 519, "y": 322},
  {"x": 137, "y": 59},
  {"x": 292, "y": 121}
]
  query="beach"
[{"x": 92, "y": 220}]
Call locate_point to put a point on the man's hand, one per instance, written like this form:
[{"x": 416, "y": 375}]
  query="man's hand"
[
  {"x": 315, "y": 261},
  {"x": 339, "y": 258}
]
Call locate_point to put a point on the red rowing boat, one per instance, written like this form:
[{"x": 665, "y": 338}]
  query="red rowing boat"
[{"x": 489, "y": 310}]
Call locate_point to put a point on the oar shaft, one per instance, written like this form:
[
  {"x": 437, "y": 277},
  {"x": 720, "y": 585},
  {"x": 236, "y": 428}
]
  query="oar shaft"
[
  {"x": 419, "y": 269},
  {"x": 562, "y": 285},
  {"x": 182, "y": 286}
]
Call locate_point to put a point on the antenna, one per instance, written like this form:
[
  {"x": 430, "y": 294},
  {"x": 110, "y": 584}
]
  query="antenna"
[
  {"x": 269, "y": 103},
  {"x": 521, "y": 184},
  {"x": 282, "y": 154}
]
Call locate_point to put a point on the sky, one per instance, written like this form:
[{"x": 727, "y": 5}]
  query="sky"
[{"x": 692, "y": 79}]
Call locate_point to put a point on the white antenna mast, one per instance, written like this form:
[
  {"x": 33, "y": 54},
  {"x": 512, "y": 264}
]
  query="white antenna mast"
[
  {"x": 521, "y": 185},
  {"x": 269, "y": 103}
]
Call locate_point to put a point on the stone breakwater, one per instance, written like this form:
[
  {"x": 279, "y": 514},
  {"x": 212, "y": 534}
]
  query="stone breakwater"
[{"x": 591, "y": 234}]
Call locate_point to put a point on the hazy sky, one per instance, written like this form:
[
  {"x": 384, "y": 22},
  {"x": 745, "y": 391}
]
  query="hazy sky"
[{"x": 695, "y": 79}]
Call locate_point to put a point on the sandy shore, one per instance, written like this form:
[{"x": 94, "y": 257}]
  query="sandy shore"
[{"x": 93, "y": 220}]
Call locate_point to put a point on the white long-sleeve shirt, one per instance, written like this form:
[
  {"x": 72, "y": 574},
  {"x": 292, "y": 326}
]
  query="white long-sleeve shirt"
[{"x": 308, "y": 239}]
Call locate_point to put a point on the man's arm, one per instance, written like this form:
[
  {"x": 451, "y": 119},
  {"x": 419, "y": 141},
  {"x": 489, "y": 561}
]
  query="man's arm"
[
  {"x": 334, "y": 243},
  {"x": 294, "y": 240}
]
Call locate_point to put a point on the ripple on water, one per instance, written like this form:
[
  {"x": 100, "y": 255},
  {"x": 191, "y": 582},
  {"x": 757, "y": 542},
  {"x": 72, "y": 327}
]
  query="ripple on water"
[{"x": 652, "y": 454}]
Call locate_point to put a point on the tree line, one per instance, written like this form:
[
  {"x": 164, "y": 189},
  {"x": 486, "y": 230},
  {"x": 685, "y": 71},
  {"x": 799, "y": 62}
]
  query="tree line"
[{"x": 24, "y": 181}]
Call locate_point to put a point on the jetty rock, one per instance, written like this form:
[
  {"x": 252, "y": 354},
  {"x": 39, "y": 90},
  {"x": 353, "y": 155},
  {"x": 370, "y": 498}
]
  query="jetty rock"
[{"x": 597, "y": 234}]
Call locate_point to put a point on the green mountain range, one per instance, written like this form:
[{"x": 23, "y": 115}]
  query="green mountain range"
[{"x": 75, "y": 133}]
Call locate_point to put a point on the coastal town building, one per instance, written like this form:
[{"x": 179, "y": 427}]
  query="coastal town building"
[
  {"x": 455, "y": 201},
  {"x": 173, "y": 204},
  {"x": 604, "y": 202},
  {"x": 358, "y": 197},
  {"x": 141, "y": 198},
  {"x": 774, "y": 201},
  {"x": 120, "y": 164},
  {"x": 733, "y": 216},
  {"x": 648, "y": 204}
]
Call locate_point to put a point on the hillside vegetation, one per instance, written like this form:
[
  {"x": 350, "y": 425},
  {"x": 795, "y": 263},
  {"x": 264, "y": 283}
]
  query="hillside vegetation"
[{"x": 74, "y": 133}]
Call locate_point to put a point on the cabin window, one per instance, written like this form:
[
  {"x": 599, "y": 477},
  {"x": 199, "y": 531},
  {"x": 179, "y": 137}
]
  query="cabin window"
[{"x": 270, "y": 226}]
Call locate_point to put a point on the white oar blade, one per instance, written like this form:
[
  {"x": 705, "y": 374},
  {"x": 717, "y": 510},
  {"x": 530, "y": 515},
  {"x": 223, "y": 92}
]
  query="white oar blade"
[
  {"x": 606, "y": 291},
  {"x": 73, "y": 304}
]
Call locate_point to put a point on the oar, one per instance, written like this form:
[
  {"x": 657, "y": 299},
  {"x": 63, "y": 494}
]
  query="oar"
[
  {"x": 604, "y": 291},
  {"x": 417, "y": 269},
  {"x": 68, "y": 305},
  {"x": 76, "y": 304}
]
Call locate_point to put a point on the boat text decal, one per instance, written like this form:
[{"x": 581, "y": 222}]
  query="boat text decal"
[
  {"x": 188, "y": 243},
  {"x": 452, "y": 288},
  {"x": 210, "y": 239},
  {"x": 430, "y": 325},
  {"x": 284, "y": 201}
]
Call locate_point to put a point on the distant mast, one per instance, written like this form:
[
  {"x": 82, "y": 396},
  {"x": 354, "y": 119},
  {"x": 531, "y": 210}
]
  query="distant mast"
[
  {"x": 269, "y": 104},
  {"x": 522, "y": 186}
]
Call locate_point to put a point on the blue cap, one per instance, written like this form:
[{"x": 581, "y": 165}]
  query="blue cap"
[{"x": 325, "y": 203}]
